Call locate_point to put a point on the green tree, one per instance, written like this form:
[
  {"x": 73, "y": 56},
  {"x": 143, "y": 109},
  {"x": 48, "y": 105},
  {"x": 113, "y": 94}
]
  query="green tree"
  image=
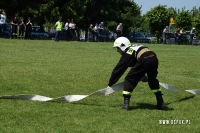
[
  {"x": 111, "y": 12},
  {"x": 197, "y": 24},
  {"x": 184, "y": 20},
  {"x": 173, "y": 12},
  {"x": 158, "y": 18},
  {"x": 83, "y": 12},
  {"x": 129, "y": 16},
  {"x": 195, "y": 11}
]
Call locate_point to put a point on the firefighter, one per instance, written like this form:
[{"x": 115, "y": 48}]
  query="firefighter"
[{"x": 143, "y": 61}]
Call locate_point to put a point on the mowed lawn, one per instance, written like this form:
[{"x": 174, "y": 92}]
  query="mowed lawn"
[{"x": 56, "y": 69}]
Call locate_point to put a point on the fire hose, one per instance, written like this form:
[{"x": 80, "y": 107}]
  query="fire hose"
[{"x": 105, "y": 91}]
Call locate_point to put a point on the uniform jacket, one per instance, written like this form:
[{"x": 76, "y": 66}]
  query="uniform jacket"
[{"x": 128, "y": 59}]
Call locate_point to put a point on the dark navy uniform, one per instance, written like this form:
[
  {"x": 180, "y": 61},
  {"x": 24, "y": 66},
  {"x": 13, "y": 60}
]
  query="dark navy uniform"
[
  {"x": 143, "y": 61},
  {"x": 146, "y": 63},
  {"x": 14, "y": 28},
  {"x": 21, "y": 29}
]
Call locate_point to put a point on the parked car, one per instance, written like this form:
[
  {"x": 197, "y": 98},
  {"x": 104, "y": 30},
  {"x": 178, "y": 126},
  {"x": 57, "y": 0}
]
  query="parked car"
[
  {"x": 171, "y": 38},
  {"x": 150, "y": 36},
  {"x": 112, "y": 36},
  {"x": 106, "y": 35},
  {"x": 138, "y": 37},
  {"x": 6, "y": 33},
  {"x": 38, "y": 33}
]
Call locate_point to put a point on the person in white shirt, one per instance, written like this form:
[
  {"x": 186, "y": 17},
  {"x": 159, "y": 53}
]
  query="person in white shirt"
[
  {"x": 192, "y": 34},
  {"x": 165, "y": 33},
  {"x": 119, "y": 30},
  {"x": 96, "y": 32},
  {"x": 2, "y": 21},
  {"x": 72, "y": 27},
  {"x": 182, "y": 33}
]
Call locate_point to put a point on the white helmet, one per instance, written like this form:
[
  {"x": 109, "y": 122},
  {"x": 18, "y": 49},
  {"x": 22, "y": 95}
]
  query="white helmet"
[{"x": 122, "y": 43}]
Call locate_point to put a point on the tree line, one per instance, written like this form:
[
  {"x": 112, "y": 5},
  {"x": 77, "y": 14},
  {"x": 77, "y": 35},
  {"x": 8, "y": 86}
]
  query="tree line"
[{"x": 112, "y": 12}]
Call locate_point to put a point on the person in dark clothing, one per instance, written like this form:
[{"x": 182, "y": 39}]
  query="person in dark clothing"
[
  {"x": 14, "y": 24},
  {"x": 178, "y": 36},
  {"x": 28, "y": 28},
  {"x": 67, "y": 34},
  {"x": 21, "y": 28},
  {"x": 143, "y": 61},
  {"x": 90, "y": 32}
]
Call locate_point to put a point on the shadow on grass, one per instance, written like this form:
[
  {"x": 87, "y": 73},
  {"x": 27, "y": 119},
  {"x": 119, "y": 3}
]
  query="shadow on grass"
[
  {"x": 183, "y": 99},
  {"x": 148, "y": 106},
  {"x": 186, "y": 98},
  {"x": 138, "y": 105}
]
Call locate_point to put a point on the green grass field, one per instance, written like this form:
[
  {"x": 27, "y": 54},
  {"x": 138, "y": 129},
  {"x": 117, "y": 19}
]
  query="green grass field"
[{"x": 55, "y": 69}]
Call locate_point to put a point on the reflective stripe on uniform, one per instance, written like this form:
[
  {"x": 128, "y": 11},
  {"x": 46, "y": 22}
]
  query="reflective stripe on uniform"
[
  {"x": 130, "y": 51},
  {"x": 156, "y": 90},
  {"x": 141, "y": 52},
  {"x": 126, "y": 92},
  {"x": 135, "y": 48}
]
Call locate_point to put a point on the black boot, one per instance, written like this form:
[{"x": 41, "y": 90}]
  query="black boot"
[
  {"x": 125, "y": 105},
  {"x": 160, "y": 103}
]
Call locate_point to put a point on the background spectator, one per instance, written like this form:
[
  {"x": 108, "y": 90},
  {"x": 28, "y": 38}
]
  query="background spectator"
[
  {"x": 14, "y": 24},
  {"x": 58, "y": 26},
  {"x": 182, "y": 33},
  {"x": 67, "y": 34},
  {"x": 119, "y": 30},
  {"x": 165, "y": 34},
  {"x": 100, "y": 28},
  {"x": 178, "y": 35},
  {"x": 2, "y": 21},
  {"x": 72, "y": 27},
  {"x": 192, "y": 34},
  {"x": 28, "y": 28},
  {"x": 21, "y": 28},
  {"x": 95, "y": 29},
  {"x": 90, "y": 31}
]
